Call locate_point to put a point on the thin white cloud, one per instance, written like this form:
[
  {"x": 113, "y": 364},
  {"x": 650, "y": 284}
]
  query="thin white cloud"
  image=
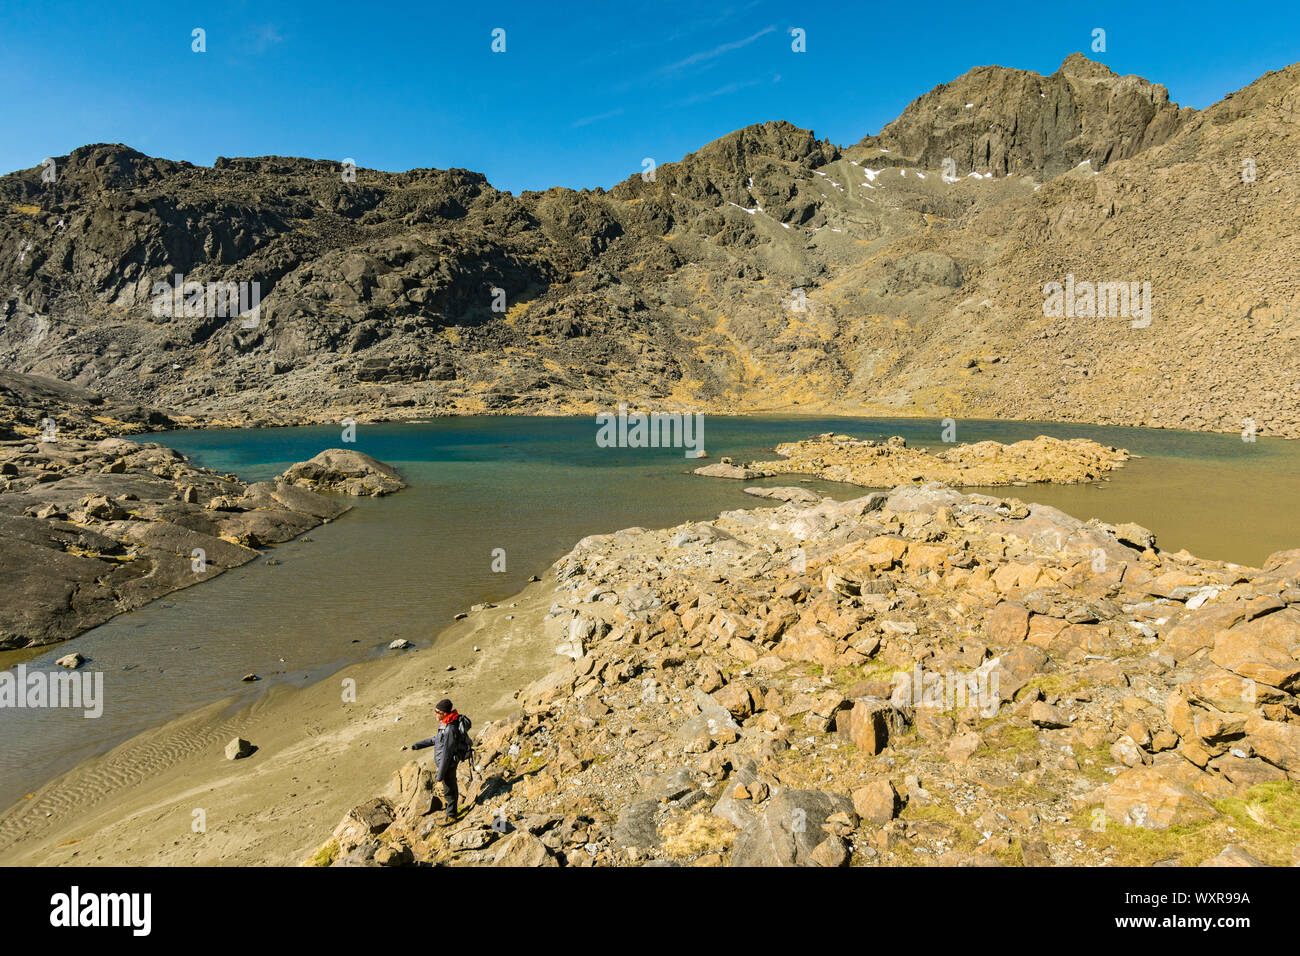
[
  {"x": 734, "y": 87},
  {"x": 588, "y": 120},
  {"x": 717, "y": 51},
  {"x": 263, "y": 39}
]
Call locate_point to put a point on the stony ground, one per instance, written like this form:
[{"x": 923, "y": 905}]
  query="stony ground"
[
  {"x": 90, "y": 529},
  {"x": 883, "y": 464},
  {"x": 919, "y": 677}
]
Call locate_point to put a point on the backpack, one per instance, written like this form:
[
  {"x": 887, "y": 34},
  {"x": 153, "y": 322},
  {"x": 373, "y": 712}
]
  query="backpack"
[{"x": 462, "y": 748}]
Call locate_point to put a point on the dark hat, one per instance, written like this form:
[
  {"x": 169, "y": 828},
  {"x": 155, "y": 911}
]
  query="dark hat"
[{"x": 444, "y": 706}]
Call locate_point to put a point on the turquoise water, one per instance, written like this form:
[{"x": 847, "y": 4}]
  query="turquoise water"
[{"x": 402, "y": 566}]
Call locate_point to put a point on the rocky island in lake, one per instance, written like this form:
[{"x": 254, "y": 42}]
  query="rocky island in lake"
[{"x": 883, "y": 464}]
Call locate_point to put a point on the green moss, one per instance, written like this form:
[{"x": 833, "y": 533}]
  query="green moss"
[
  {"x": 1011, "y": 739},
  {"x": 326, "y": 855},
  {"x": 1054, "y": 685},
  {"x": 879, "y": 670},
  {"x": 1266, "y": 822},
  {"x": 1101, "y": 759}
]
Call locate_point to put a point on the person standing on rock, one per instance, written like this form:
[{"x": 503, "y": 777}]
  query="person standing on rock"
[{"x": 451, "y": 745}]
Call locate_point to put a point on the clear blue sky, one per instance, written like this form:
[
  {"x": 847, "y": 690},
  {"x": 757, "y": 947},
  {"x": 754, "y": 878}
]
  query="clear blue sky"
[{"x": 583, "y": 92}]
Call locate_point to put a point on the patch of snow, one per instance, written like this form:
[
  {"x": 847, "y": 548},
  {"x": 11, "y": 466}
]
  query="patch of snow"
[
  {"x": 872, "y": 173},
  {"x": 920, "y": 174},
  {"x": 970, "y": 106},
  {"x": 750, "y": 211}
]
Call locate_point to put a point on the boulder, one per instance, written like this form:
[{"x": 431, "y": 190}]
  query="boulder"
[
  {"x": 789, "y": 829},
  {"x": 877, "y": 802},
  {"x": 522, "y": 849},
  {"x": 394, "y": 854},
  {"x": 721, "y": 470},
  {"x": 1233, "y": 855},
  {"x": 350, "y": 472},
  {"x": 1007, "y": 624},
  {"x": 1016, "y": 668},
  {"x": 1145, "y": 797},
  {"x": 238, "y": 748}
]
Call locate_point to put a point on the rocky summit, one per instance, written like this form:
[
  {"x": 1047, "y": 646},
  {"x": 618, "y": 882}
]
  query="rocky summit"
[
  {"x": 907, "y": 274},
  {"x": 913, "y": 677}
]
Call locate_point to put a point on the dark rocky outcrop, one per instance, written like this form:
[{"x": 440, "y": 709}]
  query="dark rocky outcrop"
[{"x": 90, "y": 529}]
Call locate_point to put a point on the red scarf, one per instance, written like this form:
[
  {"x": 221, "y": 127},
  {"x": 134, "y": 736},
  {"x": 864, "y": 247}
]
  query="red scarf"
[{"x": 450, "y": 717}]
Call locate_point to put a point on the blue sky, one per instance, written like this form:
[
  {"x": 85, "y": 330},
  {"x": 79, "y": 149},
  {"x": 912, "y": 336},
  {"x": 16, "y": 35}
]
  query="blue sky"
[{"x": 583, "y": 92}]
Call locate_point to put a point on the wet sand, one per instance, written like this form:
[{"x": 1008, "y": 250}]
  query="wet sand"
[{"x": 317, "y": 757}]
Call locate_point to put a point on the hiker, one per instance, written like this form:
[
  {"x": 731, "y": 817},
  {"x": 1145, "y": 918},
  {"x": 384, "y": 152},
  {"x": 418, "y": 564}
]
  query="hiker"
[{"x": 451, "y": 745}]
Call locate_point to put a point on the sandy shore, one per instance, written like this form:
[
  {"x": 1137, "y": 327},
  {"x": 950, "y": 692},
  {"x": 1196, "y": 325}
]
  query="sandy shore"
[{"x": 317, "y": 756}]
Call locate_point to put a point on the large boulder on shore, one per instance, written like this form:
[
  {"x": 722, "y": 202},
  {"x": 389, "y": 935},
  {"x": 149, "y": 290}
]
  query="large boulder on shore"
[
  {"x": 350, "y": 472},
  {"x": 725, "y": 469}
]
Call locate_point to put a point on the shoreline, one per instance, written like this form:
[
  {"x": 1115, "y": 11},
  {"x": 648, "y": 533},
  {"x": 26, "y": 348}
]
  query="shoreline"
[
  {"x": 834, "y": 412},
  {"x": 316, "y": 755},
  {"x": 319, "y": 759},
  {"x": 155, "y": 789},
  {"x": 730, "y": 675},
  {"x": 92, "y": 529}
]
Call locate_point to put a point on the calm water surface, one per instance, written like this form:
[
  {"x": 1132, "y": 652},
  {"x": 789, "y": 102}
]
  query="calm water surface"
[{"x": 402, "y": 566}]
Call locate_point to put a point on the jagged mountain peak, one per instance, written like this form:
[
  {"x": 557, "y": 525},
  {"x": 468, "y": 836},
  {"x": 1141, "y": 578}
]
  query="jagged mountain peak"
[
  {"x": 1076, "y": 64},
  {"x": 675, "y": 286},
  {"x": 778, "y": 139},
  {"x": 1012, "y": 121}
]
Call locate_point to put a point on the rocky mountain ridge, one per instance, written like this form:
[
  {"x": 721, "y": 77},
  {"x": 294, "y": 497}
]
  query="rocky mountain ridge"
[{"x": 768, "y": 271}]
